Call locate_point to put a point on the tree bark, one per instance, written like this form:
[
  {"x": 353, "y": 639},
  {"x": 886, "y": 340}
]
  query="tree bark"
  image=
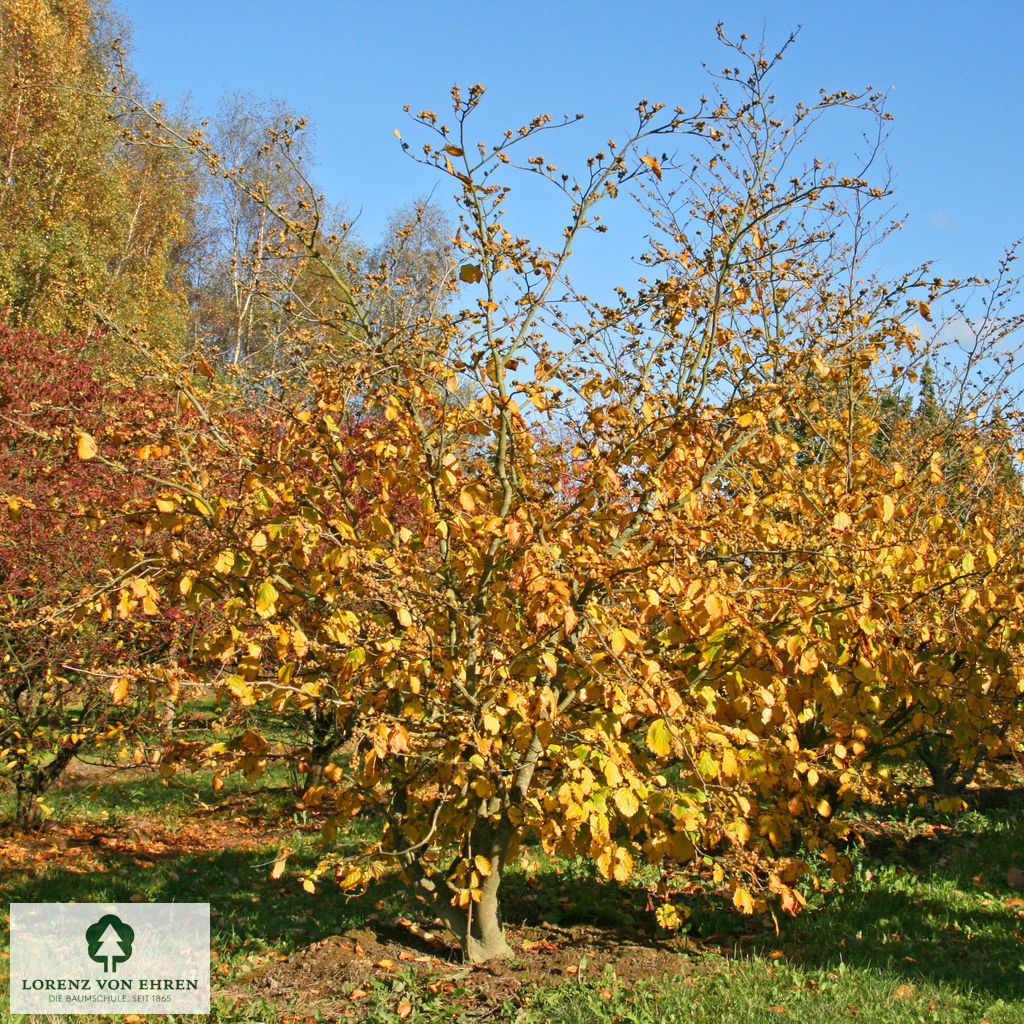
[
  {"x": 31, "y": 784},
  {"x": 27, "y": 814}
]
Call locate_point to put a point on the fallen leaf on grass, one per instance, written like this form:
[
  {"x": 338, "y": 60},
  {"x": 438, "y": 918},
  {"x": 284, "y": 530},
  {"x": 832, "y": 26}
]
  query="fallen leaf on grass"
[
  {"x": 904, "y": 992},
  {"x": 404, "y": 1008}
]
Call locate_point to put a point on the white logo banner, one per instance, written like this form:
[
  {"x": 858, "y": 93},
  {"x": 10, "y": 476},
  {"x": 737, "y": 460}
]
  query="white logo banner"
[{"x": 110, "y": 957}]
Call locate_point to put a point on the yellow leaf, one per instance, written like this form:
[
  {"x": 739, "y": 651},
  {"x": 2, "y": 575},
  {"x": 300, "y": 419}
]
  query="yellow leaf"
[
  {"x": 350, "y": 880},
  {"x": 681, "y": 848},
  {"x": 398, "y": 740},
  {"x": 668, "y": 917},
  {"x": 742, "y": 900},
  {"x": 617, "y": 641},
  {"x": 119, "y": 690},
  {"x": 626, "y": 801},
  {"x": 266, "y": 599},
  {"x": 741, "y": 830},
  {"x": 87, "y": 447},
  {"x": 482, "y": 864},
  {"x": 714, "y": 606},
  {"x": 841, "y": 522},
  {"x": 467, "y": 501},
  {"x": 653, "y": 164},
  {"x": 622, "y": 868},
  {"x": 888, "y": 508},
  {"x": 165, "y": 505},
  {"x": 224, "y": 562},
  {"x": 549, "y": 661},
  {"x": 278, "y": 869},
  {"x": 470, "y": 273},
  {"x": 483, "y": 787},
  {"x": 308, "y": 885},
  {"x": 404, "y": 617},
  {"x": 659, "y": 739}
]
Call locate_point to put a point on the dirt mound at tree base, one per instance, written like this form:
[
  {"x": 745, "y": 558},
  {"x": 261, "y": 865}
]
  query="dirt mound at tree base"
[{"x": 336, "y": 973}]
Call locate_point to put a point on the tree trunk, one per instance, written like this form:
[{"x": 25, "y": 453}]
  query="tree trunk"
[
  {"x": 478, "y": 927},
  {"x": 483, "y": 932},
  {"x": 27, "y": 814},
  {"x": 941, "y": 765},
  {"x": 31, "y": 784}
]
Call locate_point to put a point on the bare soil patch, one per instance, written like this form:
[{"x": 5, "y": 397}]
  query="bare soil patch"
[{"x": 334, "y": 974}]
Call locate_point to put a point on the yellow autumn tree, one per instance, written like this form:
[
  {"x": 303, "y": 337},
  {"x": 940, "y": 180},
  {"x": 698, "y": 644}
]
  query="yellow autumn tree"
[
  {"x": 631, "y": 578},
  {"x": 88, "y": 218}
]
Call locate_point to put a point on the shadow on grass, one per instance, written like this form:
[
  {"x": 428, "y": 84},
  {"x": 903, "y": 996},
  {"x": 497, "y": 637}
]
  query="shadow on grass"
[
  {"x": 938, "y": 908},
  {"x": 247, "y": 908},
  {"x": 134, "y": 793}
]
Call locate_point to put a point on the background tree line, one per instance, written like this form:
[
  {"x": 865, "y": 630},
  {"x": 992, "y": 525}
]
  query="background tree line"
[{"x": 109, "y": 224}]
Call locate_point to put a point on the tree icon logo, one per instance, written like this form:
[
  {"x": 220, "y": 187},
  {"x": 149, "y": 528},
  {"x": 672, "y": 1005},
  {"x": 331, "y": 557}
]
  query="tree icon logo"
[{"x": 110, "y": 942}]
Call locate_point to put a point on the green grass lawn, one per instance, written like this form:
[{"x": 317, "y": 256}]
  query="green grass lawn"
[{"x": 929, "y": 928}]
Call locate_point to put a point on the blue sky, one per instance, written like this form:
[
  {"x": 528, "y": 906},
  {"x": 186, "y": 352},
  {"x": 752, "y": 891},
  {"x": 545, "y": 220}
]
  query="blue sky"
[{"x": 951, "y": 71}]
